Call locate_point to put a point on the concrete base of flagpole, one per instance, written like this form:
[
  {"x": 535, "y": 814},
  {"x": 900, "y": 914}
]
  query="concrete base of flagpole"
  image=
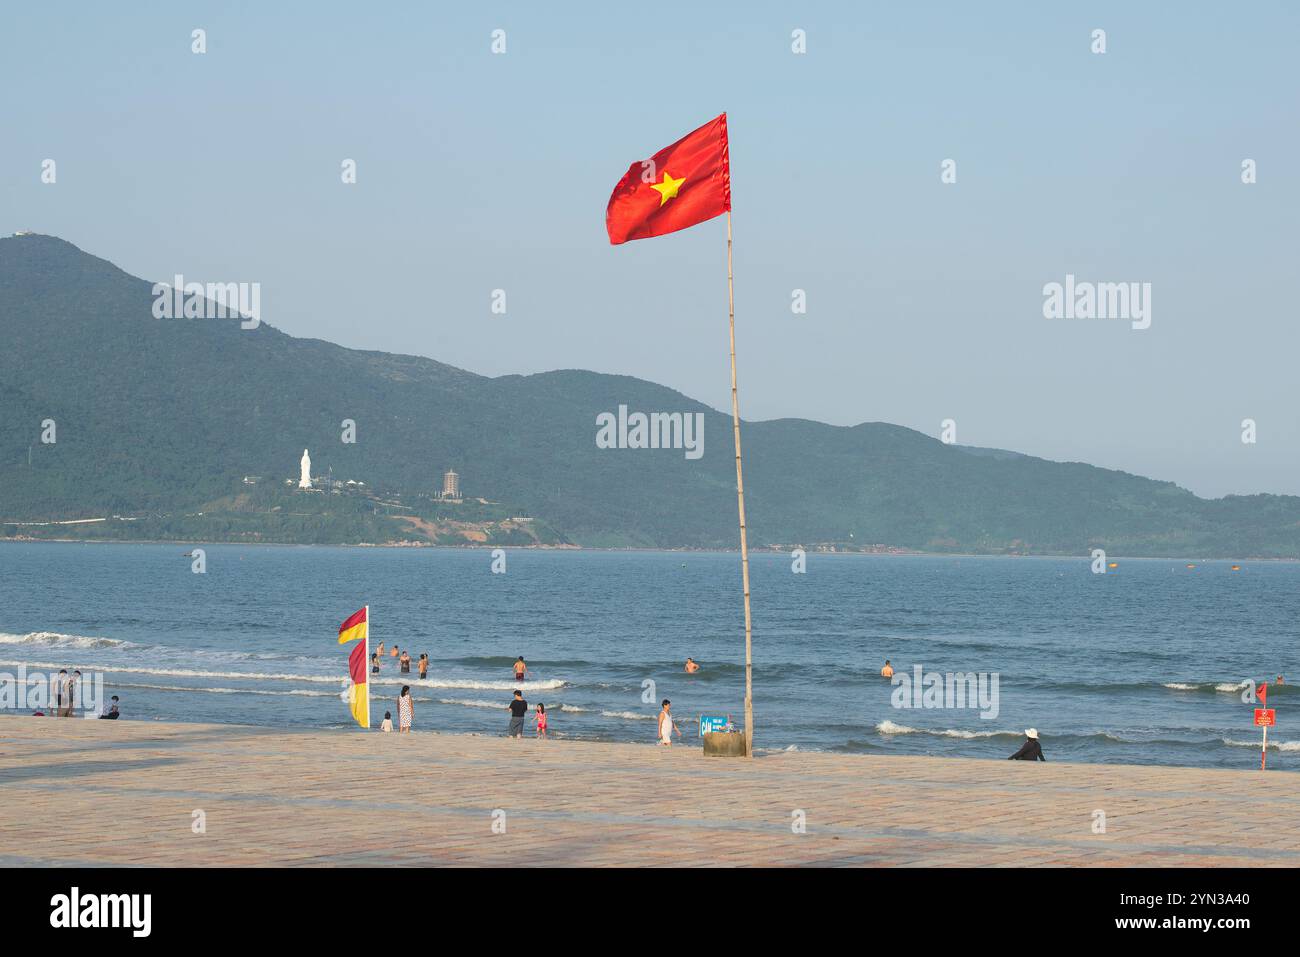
[{"x": 724, "y": 744}]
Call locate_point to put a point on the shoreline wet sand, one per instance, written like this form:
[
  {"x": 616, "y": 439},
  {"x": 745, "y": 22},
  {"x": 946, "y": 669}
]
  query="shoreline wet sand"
[{"x": 126, "y": 793}]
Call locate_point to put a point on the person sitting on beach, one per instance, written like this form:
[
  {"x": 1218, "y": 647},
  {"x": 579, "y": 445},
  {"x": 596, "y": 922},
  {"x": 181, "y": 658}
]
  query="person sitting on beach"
[
  {"x": 405, "y": 663},
  {"x": 1031, "y": 750},
  {"x": 521, "y": 669},
  {"x": 374, "y": 663},
  {"x": 388, "y": 722},
  {"x": 667, "y": 725},
  {"x": 541, "y": 720},
  {"x": 518, "y": 708},
  {"x": 405, "y": 710},
  {"x": 424, "y": 666},
  {"x": 691, "y": 666},
  {"x": 888, "y": 670},
  {"x": 112, "y": 713}
]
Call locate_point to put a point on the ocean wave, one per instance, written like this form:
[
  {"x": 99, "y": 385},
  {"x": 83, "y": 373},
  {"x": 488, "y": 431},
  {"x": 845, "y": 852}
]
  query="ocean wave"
[
  {"x": 1272, "y": 745},
  {"x": 470, "y": 703},
  {"x": 53, "y": 639},
  {"x": 414, "y": 682},
  {"x": 889, "y": 727},
  {"x": 630, "y": 715},
  {"x": 1208, "y": 687}
]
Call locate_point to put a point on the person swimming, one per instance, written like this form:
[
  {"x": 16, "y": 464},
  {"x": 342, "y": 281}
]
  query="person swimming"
[
  {"x": 692, "y": 666},
  {"x": 888, "y": 670}
]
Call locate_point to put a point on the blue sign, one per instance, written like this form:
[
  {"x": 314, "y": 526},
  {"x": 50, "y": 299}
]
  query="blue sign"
[{"x": 712, "y": 723}]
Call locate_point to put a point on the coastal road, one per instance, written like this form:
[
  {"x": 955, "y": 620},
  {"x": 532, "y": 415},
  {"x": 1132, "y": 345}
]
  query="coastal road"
[{"x": 142, "y": 793}]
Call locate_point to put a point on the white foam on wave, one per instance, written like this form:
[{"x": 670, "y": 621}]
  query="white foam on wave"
[
  {"x": 629, "y": 715},
  {"x": 497, "y": 705},
  {"x": 1180, "y": 686},
  {"x": 307, "y": 692},
  {"x": 54, "y": 639},
  {"x": 469, "y": 684},
  {"x": 889, "y": 727},
  {"x": 461, "y": 683},
  {"x": 1272, "y": 745},
  {"x": 1228, "y": 687}
]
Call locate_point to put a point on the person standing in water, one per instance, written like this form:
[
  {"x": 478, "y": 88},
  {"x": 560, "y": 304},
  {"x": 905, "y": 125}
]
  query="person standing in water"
[
  {"x": 667, "y": 725},
  {"x": 405, "y": 710},
  {"x": 541, "y": 720},
  {"x": 424, "y": 666},
  {"x": 691, "y": 666},
  {"x": 888, "y": 670},
  {"x": 518, "y": 708},
  {"x": 1031, "y": 750},
  {"x": 521, "y": 668},
  {"x": 374, "y": 663},
  {"x": 404, "y": 663}
]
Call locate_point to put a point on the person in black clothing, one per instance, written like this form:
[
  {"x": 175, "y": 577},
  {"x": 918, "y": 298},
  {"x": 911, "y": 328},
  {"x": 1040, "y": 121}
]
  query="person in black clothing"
[
  {"x": 518, "y": 708},
  {"x": 1031, "y": 750},
  {"x": 112, "y": 713}
]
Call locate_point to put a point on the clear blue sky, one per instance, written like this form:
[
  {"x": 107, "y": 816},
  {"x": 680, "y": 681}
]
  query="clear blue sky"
[{"x": 479, "y": 171}]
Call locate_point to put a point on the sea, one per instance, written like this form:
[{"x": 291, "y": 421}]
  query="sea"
[{"x": 1152, "y": 662}]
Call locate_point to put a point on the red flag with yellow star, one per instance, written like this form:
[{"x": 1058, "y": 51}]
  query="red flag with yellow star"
[{"x": 679, "y": 186}]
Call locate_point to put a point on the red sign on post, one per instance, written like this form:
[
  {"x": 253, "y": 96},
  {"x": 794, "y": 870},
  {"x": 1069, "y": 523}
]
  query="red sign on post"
[{"x": 1265, "y": 717}]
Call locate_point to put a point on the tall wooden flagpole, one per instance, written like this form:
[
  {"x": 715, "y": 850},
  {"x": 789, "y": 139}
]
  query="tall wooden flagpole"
[{"x": 740, "y": 500}]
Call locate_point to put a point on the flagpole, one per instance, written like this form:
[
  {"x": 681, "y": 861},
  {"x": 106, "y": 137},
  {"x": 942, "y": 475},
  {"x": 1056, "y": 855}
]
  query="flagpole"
[{"x": 740, "y": 501}]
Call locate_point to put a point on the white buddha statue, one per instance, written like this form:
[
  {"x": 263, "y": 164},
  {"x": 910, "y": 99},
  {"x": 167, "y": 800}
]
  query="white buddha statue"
[{"x": 304, "y": 480}]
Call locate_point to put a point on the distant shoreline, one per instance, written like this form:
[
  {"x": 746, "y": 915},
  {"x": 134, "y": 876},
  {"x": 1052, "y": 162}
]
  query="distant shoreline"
[{"x": 763, "y": 550}]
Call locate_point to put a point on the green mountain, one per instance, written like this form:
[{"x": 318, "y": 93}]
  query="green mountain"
[{"x": 160, "y": 419}]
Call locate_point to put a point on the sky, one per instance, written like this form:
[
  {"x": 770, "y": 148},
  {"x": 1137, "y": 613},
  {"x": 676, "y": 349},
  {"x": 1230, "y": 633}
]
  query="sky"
[{"x": 478, "y": 171}]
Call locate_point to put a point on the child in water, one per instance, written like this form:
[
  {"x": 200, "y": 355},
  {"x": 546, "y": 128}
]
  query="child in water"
[
  {"x": 388, "y": 722},
  {"x": 541, "y": 720}
]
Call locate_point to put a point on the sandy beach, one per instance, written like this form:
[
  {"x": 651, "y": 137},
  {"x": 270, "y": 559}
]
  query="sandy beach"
[{"x": 90, "y": 793}]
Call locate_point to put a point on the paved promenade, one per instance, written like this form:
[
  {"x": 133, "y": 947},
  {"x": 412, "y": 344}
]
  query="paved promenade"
[{"x": 125, "y": 793}]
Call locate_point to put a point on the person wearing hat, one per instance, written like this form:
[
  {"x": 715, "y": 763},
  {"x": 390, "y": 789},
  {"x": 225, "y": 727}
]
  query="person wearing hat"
[{"x": 1031, "y": 750}]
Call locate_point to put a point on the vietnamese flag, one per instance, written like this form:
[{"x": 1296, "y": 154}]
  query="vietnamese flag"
[{"x": 680, "y": 186}]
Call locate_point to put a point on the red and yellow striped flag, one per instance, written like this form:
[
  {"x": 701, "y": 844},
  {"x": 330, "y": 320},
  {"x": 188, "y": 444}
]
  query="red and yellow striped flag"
[
  {"x": 359, "y": 702},
  {"x": 355, "y": 627},
  {"x": 357, "y": 696}
]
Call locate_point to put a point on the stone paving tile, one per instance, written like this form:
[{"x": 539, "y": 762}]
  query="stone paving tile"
[{"x": 123, "y": 794}]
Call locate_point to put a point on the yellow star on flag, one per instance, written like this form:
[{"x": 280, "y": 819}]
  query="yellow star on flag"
[{"x": 668, "y": 188}]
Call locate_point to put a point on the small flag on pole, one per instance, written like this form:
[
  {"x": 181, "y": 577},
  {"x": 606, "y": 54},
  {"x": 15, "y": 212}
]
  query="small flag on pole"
[
  {"x": 680, "y": 186},
  {"x": 355, "y": 627}
]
